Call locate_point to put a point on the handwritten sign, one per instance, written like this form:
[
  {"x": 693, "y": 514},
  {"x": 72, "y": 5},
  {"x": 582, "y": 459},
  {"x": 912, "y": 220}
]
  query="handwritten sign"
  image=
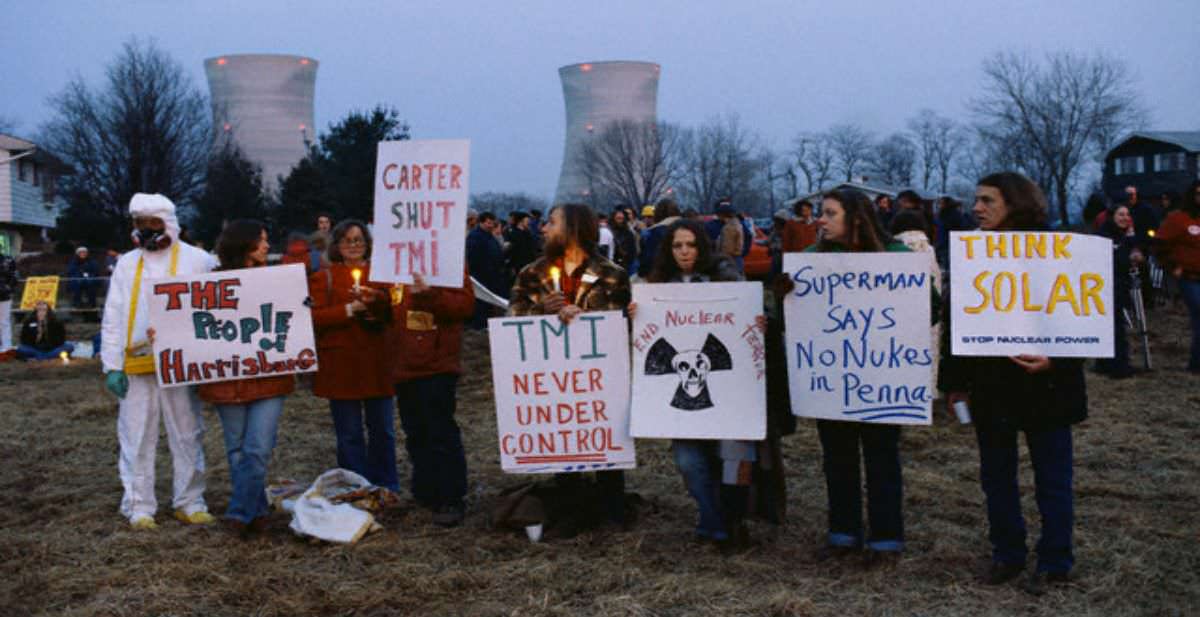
[
  {"x": 1039, "y": 293},
  {"x": 699, "y": 362},
  {"x": 857, "y": 335},
  {"x": 235, "y": 324},
  {"x": 562, "y": 393},
  {"x": 39, "y": 289},
  {"x": 421, "y": 211}
]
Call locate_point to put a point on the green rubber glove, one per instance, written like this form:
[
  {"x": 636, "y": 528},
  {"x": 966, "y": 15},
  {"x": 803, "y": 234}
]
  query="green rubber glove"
[{"x": 117, "y": 383}]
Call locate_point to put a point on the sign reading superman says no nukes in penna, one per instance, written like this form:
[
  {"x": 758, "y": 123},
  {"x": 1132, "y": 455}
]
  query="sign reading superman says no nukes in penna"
[
  {"x": 858, "y": 344},
  {"x": 562, "y": 392}
]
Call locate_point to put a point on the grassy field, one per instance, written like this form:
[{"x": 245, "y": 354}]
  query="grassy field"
[{"x": 64, "y": 549}]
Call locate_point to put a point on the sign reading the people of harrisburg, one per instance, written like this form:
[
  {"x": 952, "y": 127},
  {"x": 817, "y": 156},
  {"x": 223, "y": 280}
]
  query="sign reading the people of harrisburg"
[
  {"x": 562, "y": 392},
  {"x": 857, "y": 336},
  {"x": 1039, "y": 293},
  {"x": 234, "y": 324},
  {"x": 40, "y": 289},
  {"x": 699, "y": 361},
  {"x": 421, "y": 211}
]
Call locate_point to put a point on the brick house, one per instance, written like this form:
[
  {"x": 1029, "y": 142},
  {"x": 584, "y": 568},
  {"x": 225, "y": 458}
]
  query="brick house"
[{"x": 1153, "y": 161}]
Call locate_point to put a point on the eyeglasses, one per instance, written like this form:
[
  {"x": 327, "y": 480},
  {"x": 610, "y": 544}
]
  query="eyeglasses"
[{"x": 352, "y": 242}]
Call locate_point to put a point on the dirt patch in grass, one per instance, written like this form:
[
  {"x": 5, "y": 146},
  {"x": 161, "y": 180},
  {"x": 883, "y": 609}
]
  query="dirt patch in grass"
[{"x": 64, "y": 549}]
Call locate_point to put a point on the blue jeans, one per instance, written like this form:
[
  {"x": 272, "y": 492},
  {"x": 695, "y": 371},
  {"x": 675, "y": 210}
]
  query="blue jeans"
[
  {"x": 250, "y": 431},
  {"x": 1050, "y": 452},
  {"x": 700, "y": 465},
  {"x": 372, "y": 457},
  {"x": 433, "y": 440},
  {"x": 843, "y": 481},
  {"x": 29, "y": 352},
  {"x": 1191, "y": 297}
]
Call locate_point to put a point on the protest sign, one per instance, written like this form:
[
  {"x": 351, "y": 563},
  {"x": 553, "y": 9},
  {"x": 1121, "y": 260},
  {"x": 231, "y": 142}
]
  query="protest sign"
[
  {"x": 699, "y": 361},
  {"x": 562, "y": 392},
  {"x": 1040, "y": 293},
  {"x": 229, "y": 325},
  {"x": 39, "y": 289},
  {"x": 857, "y": 336},
  {"x": 421, "y": 211}
]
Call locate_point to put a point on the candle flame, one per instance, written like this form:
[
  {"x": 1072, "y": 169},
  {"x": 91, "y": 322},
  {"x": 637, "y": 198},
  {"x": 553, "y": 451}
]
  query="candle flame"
[
  {"x": 64, "y": 355},
  {"x": 554, "y": 276},
  {"x": 1151, "y": 232},
  {"x": 357, "y": 274}
]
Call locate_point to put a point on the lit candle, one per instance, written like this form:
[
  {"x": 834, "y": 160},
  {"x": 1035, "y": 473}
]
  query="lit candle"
[
  {"x": 66, "y": 357},
  {"x": 554, "y": 277},
  {"x": 357, "y": 274},
  {"x": 1151, "y": 232}
]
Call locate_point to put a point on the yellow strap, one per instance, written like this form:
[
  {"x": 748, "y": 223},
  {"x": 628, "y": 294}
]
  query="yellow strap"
[{"x": 137, "y": 288}]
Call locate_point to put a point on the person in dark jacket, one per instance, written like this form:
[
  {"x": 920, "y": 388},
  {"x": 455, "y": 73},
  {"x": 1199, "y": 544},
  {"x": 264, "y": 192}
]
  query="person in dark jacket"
[
  {"x": 249, "y": 408},
  {"x": 427, "y": 337},
  {"x": 1035, "y": 395},
  {"x": 666, "y": 211},
  {"x": 1127, "y": 255},
  {"x": 8, "y": 287},
  {"x": 42, "y": 335},
  {"x": 82, "y": 281},
  {"x": 521, "y": 250},
  {"x": 625, "y": 241},
  {"x": 485, "y": 262},
  {"x": 950, "y": 217}
]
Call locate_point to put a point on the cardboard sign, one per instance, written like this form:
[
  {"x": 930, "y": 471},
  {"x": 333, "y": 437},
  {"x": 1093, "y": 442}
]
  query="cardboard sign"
[
  {"x": 235, "y": 324},
  {"x": 1040, "y": 293},
  {"x": 39, "y": 289},
  {"x": 857, "y": 336},
  {"x": 562, "y": 393},
  {"x": 421, "y": 211},
  {"x": 699, "y": 361}
]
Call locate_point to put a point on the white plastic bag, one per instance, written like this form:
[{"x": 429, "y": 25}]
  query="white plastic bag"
[{"x": 314, "y": 515}]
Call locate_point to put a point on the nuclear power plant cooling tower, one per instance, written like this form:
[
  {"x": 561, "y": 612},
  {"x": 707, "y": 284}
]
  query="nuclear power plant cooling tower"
[
  {"x": 595, "y": 94},
  {"x": 264, "y": 102}
]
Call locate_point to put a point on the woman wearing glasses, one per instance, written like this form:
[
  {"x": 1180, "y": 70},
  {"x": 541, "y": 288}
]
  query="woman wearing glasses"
[{"x": 350, "y": 316}]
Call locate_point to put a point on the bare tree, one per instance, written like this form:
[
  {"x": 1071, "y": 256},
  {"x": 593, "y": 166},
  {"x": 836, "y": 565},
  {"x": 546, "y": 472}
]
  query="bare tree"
[
  {"x": 1063, "y": 110},
  {"x": 922, "y": 128},
  {"x": 851, "y": 145},
  {"x": 814, "y": 156},
  {"x": 724, "y": 159},
  {"x": 949, "y": 139},
  {"x": 632, "y": 162},
  {"x": 147, "y": 129},
  {"x": 892, "y": 160}
]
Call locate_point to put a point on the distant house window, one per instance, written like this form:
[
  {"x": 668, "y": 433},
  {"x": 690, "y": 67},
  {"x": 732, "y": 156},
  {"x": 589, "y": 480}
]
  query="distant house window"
[
  {"x": 37, "y": 181},
  {"x": 22, "y": 175},
  {"x": 48, "y": 190},
  {"x": 1129, "y": 165},
  {"x": 1174, "y": 161}
]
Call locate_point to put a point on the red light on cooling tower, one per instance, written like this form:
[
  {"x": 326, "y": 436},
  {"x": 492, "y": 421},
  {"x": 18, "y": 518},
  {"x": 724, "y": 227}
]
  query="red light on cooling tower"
[
  {"x": 227, "y": 127},
  {"x": 585, "y": 67},
  {"x": 303, "y": 126},
  {"x": 304, "y": 61},
  {"x": 221, "y": 61}
]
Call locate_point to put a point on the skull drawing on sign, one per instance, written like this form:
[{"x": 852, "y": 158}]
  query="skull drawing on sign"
[{"x": 692, "y": 367}]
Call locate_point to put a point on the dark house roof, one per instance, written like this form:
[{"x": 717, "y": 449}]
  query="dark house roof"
[
  {"x": 1188, "y": 140},
  {"x": 16, "y": 145}
]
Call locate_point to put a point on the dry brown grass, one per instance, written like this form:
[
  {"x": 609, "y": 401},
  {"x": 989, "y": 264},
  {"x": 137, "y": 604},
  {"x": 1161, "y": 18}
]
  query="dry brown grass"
[{"x": 64, "y": 550}]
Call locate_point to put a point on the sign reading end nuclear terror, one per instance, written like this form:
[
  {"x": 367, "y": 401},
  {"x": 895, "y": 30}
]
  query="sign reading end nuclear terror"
[
  {"x": 421, "y": 191},
  {"x": 230, "y": 325},
  {"x": 1042, "y": 293},
  {"x": 562, "y": 393}
]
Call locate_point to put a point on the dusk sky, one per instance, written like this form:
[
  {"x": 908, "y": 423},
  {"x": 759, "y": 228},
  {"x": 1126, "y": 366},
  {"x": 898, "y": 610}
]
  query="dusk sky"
[{"x": 487, "y": 71}]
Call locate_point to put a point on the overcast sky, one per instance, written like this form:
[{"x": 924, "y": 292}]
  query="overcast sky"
[{"x": 488, "y": 70}]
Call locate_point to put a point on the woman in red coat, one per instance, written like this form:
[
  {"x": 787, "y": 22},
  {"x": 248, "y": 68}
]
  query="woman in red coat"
[{"x": 351, "y": 316}]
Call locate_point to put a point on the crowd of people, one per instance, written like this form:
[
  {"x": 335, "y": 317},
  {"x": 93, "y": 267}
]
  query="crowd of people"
[{"x": 367, "y": 381}]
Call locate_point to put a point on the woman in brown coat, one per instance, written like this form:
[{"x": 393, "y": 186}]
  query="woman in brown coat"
[
  {"x": 351, "y": 317},
  {"x": 249, "y": 408}
]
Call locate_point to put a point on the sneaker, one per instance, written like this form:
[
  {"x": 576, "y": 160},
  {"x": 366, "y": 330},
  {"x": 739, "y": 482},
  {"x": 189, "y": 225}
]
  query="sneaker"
[
  {"x": 1041, "y": 582},
  {"x": 143, "y": 522},
  {"x": 199, "y": 517},
  {"x": 1001, "y": 572},
  {"x": 448, "y": 515}
]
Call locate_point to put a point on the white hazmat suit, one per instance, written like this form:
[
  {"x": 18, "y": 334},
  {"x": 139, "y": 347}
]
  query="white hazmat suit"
[{"x": 145, "y": 401}]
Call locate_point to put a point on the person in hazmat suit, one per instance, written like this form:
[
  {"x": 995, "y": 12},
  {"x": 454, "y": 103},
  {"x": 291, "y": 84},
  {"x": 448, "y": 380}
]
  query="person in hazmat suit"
[{"x": 129, "y": 370}]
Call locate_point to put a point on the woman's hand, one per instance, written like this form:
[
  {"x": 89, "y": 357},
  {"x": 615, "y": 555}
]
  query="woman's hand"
[
  {"x": 150, "y": 335},
  {"x": 568, "y": 313},
  {"x": 418, "y": 286},
  {"x": 760, "y": 322},
  {"x": 1032, "y": 364},
  {"x": 357, "y": 306},
  {"x": 631, "y": 310},
  {"x": 782, "y": 286},
  {"x": 954, "y": 398},
  {"x": 1177, "y": 272},
  {"x": 1136, "y": 257},
  {"x": 553, "y": 302}
]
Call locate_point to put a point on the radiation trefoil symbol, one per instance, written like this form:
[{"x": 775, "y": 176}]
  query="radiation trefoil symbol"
[{"x": 692, "y": 367}]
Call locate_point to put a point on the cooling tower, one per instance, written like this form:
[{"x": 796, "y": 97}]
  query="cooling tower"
[
  {"x": 595, "y": 94},
  {"x": 264, "y": 102}
]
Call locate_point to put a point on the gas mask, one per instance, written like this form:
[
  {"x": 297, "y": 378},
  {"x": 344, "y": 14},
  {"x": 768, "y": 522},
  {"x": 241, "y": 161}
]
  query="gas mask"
[{"x": 151, "y": 240}]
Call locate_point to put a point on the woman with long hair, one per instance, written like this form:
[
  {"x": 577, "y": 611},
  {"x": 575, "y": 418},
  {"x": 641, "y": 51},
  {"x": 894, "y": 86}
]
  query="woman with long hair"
[
  {"x": 249, "y": 408},
  {"x": 1179, "y": 241},
  {"x": 1035, "y": 395},
  {"x": 1127, "y": 255},
  {"x": 686, "y": 255},
  {"x": 42, "y": 335},
  {"x": 350, "y": 316}
]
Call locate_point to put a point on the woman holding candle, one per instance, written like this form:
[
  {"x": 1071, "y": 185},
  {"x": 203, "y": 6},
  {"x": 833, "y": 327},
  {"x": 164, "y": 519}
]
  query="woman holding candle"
[
  {"x": 42, "y": 335},
  {"x": 249, "y": 408},
  {"x": 350, "y": 316}
]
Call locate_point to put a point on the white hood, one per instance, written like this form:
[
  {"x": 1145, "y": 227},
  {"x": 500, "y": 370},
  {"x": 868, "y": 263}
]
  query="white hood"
[{"x": 153, "y": 204}]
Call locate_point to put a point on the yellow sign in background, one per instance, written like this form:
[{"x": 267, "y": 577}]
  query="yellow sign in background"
[{"x": 39, "y": 289}]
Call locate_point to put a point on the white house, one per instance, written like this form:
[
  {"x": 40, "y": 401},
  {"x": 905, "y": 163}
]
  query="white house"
[{"x": 29, "y": 203}]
